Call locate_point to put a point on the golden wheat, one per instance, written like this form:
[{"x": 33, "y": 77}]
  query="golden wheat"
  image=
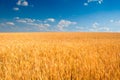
[{"x": 60, "y": 56}]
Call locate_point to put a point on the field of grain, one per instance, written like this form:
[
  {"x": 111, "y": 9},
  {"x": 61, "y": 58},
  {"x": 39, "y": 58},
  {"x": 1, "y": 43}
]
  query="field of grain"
[{"x": 60, "y": 56}]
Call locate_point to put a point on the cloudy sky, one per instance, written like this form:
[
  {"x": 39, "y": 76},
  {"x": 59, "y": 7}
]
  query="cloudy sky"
[{"x": 59, "y": 15}]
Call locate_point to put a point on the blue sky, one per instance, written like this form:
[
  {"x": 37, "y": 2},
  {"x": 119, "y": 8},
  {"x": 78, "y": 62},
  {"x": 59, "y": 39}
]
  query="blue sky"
[{"x": 59, "y": 15}]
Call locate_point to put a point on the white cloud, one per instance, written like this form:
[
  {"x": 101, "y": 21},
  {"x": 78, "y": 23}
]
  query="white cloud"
[
  {"x": 79, "y": 28},
  {"x": 10, "y": 23},
  {"x": 6, "y": 24},
  {"x": 99, "y": 1},
  {"x": 25, "y": 20},
  {"x": 22, "y": 3},
  {"x": 97, "y": 27},
  {"x": 29, "y": 20},
  {"x": 19, "y": 2},
  {"x": 17, "y": 18},
  {"x": 21, "y": 21},
  {"x": 85, "y": 4},
  {"x": 33, "y": 23},
  {"x": 51, "y": 19},
  {"x": 43, "y": 25},
  {"x": 16, "y": 9},
  {"x": 65, "y": 23},
  {"x": 115, "y": 21},
  {"x": 89, "y": 1},
  {"x": 25, "y": 3},
  {"x": 105, "y": 29},
  {"x": 40, "y": 26},
  {"x": 111, "y": 20}
]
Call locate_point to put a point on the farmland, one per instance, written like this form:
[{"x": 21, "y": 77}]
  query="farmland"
[{"x": 60, "y": 56}]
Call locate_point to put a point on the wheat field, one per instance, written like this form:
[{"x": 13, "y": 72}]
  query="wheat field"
[{"x": 60, "y": 56}]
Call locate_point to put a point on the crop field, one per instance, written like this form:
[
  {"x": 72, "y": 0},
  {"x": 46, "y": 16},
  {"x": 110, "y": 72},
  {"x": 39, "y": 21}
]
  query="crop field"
[{"x": 60, "y": 56}]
